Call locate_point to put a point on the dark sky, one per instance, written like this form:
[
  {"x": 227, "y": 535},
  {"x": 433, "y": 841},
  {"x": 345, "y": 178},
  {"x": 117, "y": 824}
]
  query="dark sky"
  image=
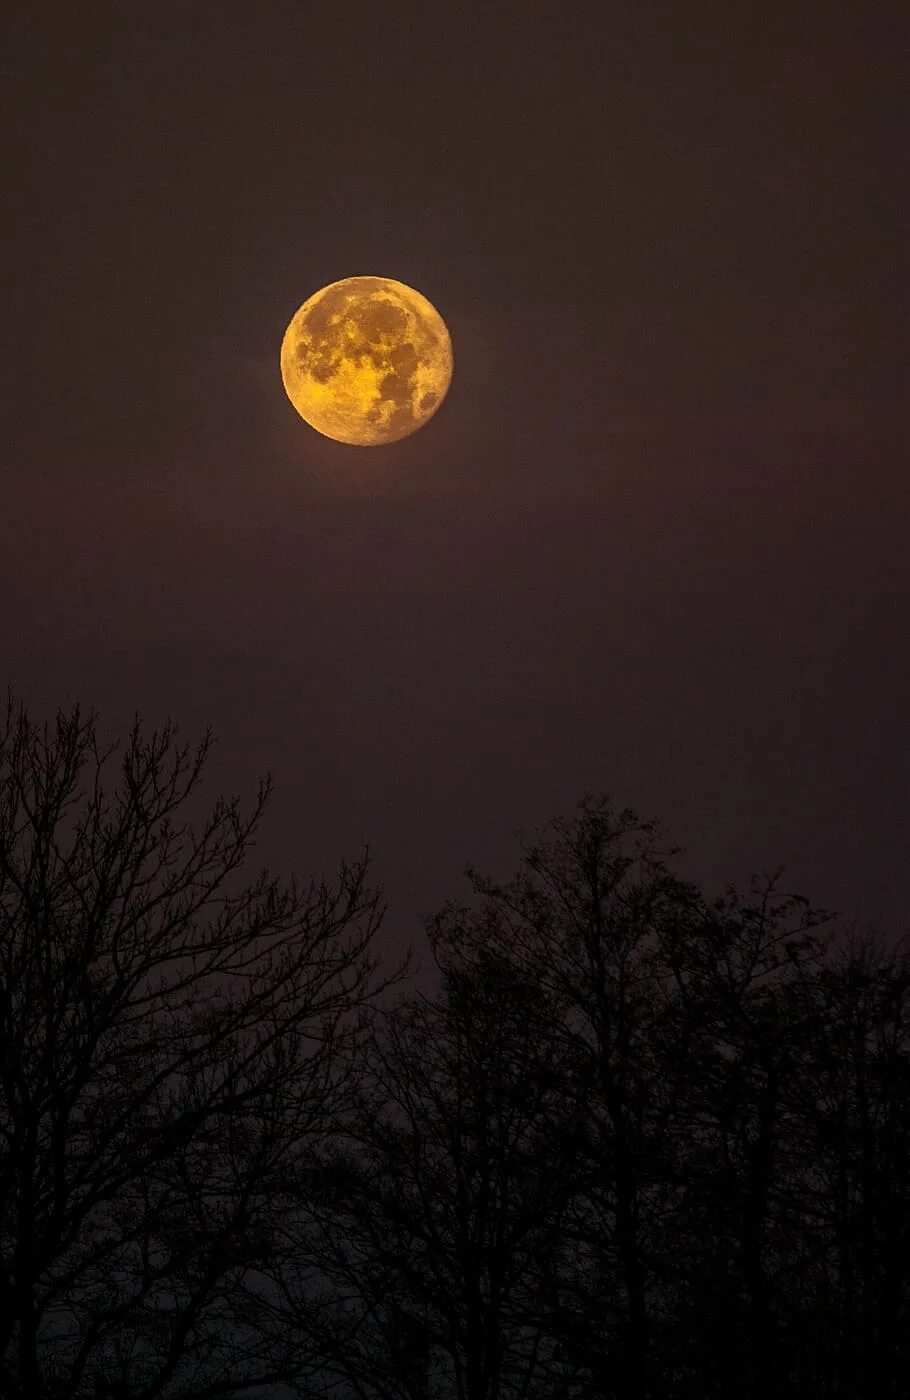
[{"x": 655, "y": 541}]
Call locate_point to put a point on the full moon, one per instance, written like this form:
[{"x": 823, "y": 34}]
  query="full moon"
[{"x": 366, "y": 360}]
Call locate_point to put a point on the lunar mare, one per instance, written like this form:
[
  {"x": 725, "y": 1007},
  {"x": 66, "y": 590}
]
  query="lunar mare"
[{"x": 366, "y": 360}]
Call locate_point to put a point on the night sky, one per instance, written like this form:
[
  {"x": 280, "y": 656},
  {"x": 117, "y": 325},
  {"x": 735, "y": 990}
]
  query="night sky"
[{"x": 655, "y": 541}]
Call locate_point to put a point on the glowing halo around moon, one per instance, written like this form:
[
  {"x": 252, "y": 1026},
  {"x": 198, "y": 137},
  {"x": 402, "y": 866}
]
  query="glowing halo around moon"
[{"x": 366, "y": 360}]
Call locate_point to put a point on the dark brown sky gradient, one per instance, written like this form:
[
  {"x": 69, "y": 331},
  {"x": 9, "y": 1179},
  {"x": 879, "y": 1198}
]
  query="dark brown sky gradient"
[{"x": 655, "y": 542}]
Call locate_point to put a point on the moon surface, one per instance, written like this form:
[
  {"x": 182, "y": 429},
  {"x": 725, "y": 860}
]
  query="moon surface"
[{"x": 366, "y": 360}]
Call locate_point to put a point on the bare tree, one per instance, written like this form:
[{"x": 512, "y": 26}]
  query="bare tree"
[
  {"x": 640, "y": 1145},
  {"x": 849, "y": 1155},
  {"x": 581, "y": 919},
  {"x": 675, "y": 1044},
  {"x": 443, "y": 1202},
  {"x": 738, "y": 1027},
  {"x": 172, "y": 1036}
]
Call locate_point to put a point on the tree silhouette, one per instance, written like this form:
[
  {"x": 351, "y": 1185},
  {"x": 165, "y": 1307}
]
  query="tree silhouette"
[
  {"x": 171, "y": 1037},
  {"x": 640, "y": 1144},
  {"x": 710, "y": 1041},
  {"x": 850, "y": 1154},
  {"x": 582, "y": 921},
  {"x": 430, "y": 1222}
]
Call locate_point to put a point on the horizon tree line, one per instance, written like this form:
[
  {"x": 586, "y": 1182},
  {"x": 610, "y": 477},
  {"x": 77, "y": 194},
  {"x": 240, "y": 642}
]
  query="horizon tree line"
[{"x": 636, "y": 1142}]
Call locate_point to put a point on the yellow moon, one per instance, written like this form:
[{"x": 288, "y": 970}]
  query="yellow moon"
[{"x": 366, "y": 360}]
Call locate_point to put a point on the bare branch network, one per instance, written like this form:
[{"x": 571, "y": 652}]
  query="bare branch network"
[{"x": 637, "y": 1143}]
